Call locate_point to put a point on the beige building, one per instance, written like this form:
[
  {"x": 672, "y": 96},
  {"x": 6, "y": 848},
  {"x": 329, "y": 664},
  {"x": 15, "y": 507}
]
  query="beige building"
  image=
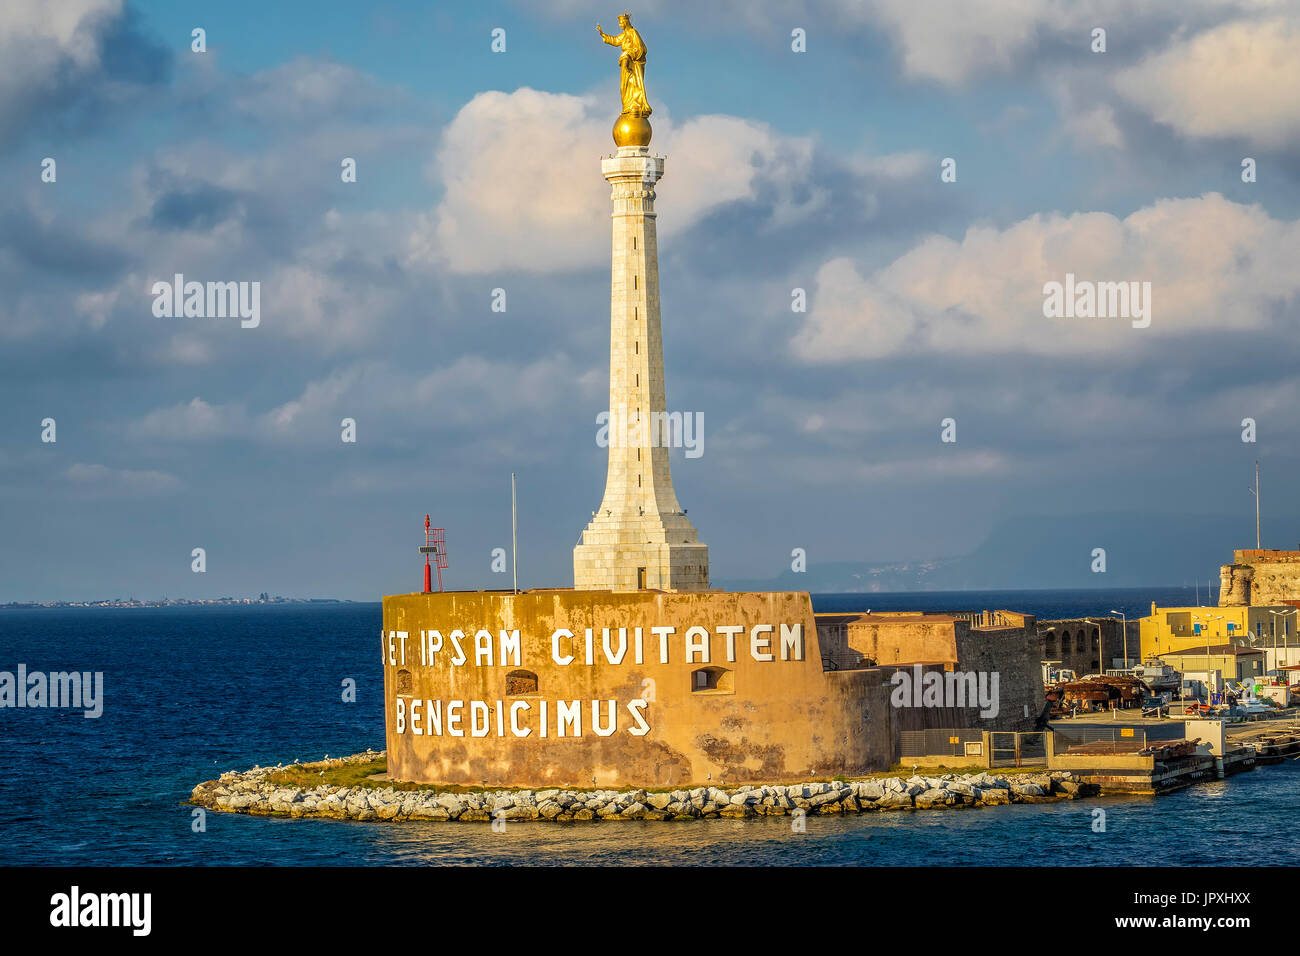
[
  {"x": 971, "y": 642},
  {"x": 1233, "y": 661}
]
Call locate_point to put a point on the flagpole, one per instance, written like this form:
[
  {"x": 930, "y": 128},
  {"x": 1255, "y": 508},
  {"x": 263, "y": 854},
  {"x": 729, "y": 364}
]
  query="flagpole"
[{"x": 514, "y": 537}]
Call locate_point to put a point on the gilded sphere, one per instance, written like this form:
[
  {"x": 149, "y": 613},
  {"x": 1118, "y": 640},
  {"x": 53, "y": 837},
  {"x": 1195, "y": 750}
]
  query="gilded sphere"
[{"x": 632, "y": 130}]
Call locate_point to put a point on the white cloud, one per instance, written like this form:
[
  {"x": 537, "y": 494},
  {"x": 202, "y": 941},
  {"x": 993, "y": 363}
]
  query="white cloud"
[
  {"x": 53, "y": 31},
  {"x": 101, "y": 479},
  {"x": 54, "y": 57},
  {"x": 310, "y": 90},
  {"x": 1212, "y": 264},
  {"x": 1238, "y": 79},
  {"x": 471, "y": 391},
  {"x": 1095, "y": 127},
  {"x": 195, "y": 419},
  {"x": 522, "y": 186},
  {"x": 950, "y": 41}
]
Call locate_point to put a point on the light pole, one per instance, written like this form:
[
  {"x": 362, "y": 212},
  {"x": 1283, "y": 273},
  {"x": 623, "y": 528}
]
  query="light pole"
[
  {"x": 1046, "y": 661},
  {"x": 1123, "y": 624},
  {"x": 514, "y": 536},
  {"x": 1276, "y": 614},
  {"x": 1208, "y": 618},
  {"x": 1101, "y": 645}
]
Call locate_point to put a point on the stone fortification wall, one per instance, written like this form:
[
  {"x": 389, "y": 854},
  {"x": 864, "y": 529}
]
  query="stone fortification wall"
[
  {"x": 1260, "y": 577},
  {"x": 564, "y": 688}
]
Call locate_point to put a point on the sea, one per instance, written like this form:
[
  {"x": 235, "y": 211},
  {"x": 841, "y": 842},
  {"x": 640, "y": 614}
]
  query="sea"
[{"x": 190, "y": 692}]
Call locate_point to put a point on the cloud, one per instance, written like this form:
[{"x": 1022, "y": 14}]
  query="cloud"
[
  {"x": 195, "y": 419},
  {"x": 311, "y": 91},
  {"x": 1095, "y": 127},
  {"x": 522, "y": 186},
  {"x": 100, "y": 479},
  {"x": 1213, "y": 265},
  {"x": 1239, "y": 79},
  {"x": 471, "y": 392},
  {"x": 74, "y": 60},
  {"x": 951, "y": 43}
]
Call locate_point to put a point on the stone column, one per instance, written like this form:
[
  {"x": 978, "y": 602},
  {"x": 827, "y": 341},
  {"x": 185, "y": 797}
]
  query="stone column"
[{"x": 640, "y": 537}]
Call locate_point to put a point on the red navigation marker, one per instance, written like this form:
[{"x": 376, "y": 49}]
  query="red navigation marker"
[{"x": 435, "y": 543}]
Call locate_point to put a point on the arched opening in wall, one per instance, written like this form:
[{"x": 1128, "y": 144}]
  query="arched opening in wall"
[
  {"x": 521, "y": 683},
  {"x": 1096, "y": 642},
  {"x": 711, "y": 680},
  {"x": 1049, "y": 646},
  {"x": 403, "y": 682},
  {"x": 1080, "y": 642}
]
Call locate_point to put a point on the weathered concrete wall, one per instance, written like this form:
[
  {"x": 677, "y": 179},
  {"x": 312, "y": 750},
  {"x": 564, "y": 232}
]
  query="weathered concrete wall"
[
  {"x": 1011, "y": 653},
  {"x": 888, "y": 639},
  {"x": 945, "y": 643},
  {"x": 766, "y": 720}
]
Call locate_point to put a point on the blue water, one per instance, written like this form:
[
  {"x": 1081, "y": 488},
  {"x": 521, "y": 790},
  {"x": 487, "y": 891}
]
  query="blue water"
[{"x": 190, "y": 692}]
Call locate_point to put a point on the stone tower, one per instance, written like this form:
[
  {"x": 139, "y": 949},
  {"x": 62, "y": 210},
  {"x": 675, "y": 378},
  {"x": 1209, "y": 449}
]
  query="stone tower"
[{"x": 640, "y": 537}]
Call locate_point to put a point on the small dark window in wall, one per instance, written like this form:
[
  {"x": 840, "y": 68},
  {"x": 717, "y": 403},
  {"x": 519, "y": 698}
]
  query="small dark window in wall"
[
  {"x": 520, "y": 683},
  {"x": 403, "y": 682},
  {"x": 711, "y": 680}
]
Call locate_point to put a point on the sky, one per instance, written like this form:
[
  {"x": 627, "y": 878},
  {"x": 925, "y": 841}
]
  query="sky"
[{"x": 818, "y": 169}]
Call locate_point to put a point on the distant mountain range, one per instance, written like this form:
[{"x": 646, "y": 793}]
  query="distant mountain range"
[{"x": 1054, "y": 552}]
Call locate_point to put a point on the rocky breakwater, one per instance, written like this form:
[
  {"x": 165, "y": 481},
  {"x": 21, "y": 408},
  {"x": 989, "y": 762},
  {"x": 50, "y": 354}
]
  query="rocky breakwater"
[{"x": 256, "y": 792}]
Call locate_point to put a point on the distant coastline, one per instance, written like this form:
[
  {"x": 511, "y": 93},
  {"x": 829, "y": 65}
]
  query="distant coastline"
[{"x": 176, "y": 602}]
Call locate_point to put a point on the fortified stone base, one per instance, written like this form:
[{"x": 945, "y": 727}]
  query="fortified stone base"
[
  {"x": 622, "y": 555},
  {"x": 640, "y": 688}
]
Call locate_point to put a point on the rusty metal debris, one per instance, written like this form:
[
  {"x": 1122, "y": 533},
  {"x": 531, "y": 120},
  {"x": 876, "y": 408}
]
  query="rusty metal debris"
[{"x": 1096, "y": 693}]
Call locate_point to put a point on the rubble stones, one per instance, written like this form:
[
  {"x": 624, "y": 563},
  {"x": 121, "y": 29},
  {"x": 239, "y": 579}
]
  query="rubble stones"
[{"x": 253, "y": 792}]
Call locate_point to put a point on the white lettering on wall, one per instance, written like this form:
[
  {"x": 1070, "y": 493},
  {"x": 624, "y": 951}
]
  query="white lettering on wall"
[
  {"x": 697, "y": 645},
  {"x": 555, "y": 647},
  {"x": 568, "y": 713}
]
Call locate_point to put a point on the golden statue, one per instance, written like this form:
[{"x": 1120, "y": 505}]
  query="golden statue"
[{"x": 632, "y": 127}]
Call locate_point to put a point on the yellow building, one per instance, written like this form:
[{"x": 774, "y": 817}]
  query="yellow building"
[{"x": 1183, "y": 628}]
